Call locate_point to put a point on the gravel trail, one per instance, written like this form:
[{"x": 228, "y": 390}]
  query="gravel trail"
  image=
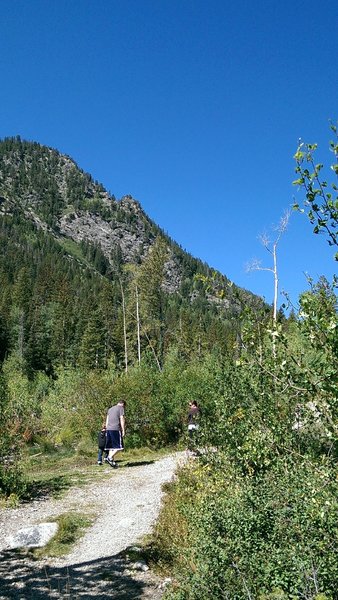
[{"x": 125, "y": 503}]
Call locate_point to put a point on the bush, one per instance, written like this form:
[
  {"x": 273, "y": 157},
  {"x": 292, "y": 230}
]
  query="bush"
[
  {"x": 75, "y": 407},
  {"x": 270, "y": 536},
  {"x": 11, "y": 479}
]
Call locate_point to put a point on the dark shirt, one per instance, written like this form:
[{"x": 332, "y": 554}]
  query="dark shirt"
[
  {"x": 102, "y": 439},
  {"x": 193, "y": 414}
]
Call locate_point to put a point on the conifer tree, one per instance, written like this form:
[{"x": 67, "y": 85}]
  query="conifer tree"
[
  {"x": 92, "y": 349},
  {"x": 149, "y": 280}
]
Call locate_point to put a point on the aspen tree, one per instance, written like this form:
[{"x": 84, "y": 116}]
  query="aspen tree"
[{"x": 255, "y": 265}]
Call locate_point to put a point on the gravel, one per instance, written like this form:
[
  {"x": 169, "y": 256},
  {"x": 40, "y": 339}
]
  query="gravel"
[{"x": 125, "y": 504}]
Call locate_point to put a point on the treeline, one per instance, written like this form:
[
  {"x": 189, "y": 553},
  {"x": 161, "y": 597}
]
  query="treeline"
[{"x": 56, "y": 310}]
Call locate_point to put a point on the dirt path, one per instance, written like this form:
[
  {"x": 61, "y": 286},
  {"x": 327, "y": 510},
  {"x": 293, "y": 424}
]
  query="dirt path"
[{"x": 125, "y": 504}]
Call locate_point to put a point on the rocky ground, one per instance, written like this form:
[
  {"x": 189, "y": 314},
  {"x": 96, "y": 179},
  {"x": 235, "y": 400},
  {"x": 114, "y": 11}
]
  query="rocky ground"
[{"x": 125, "y": 505}]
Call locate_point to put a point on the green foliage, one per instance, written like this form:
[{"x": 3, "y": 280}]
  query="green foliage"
[
  {"x": 75, "y": 407},
  {"x": 71, "y": 527},
  {"x": 256, "y": 514},
  {"x": 319, "y": 317},
  {"x": 76, "y": 404},
  {"x": 241, "y": 537},
  {"x": 321, "y": 204},
  {"x": 23, "y": 408},
  {"x": 11, "y": 481}
]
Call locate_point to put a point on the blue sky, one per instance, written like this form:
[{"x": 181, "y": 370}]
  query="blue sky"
[{"x": 194, "y": 107}]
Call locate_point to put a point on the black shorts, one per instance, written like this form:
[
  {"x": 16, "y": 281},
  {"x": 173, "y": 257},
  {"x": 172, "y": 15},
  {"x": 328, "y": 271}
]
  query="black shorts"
[{"x": 114, "y": 440}]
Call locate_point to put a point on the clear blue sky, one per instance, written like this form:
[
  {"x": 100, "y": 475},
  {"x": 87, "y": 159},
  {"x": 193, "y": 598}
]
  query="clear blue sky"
[{"x": 194, "y": 107}]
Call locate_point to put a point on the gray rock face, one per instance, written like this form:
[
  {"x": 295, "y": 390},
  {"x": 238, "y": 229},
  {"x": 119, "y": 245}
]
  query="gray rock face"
[
  {"x": 92, "y": 228},
  {"x": 33, "y": 537}
]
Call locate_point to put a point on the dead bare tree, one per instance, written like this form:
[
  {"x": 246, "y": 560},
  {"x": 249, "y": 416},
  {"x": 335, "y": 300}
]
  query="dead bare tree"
[{"x": 271, "y": 247}]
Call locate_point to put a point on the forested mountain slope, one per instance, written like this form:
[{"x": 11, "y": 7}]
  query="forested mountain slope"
[{"x": 79, "y": 284}]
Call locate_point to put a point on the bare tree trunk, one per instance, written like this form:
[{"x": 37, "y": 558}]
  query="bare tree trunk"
[
  {"x": 138, "y": 327},
  {"x": 275, "y": 274},
  {"x": 154, "y": 352},
  {"x": 199, "y": 339},
  {"x": 21, "y": 334},
  {"x": 124, "y": 327}
]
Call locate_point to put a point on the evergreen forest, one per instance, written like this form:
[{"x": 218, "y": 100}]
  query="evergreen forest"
[{"x": 97, "y": 303}]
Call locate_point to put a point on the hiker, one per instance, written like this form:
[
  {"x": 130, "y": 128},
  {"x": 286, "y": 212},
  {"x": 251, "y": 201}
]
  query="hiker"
[
  {"x": 115, "y": 431},
  {"x": 101, "y": 439},
  {"x": 193, "y": 416}
]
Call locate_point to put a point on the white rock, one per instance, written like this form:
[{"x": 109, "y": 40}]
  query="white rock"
[
  {"x": 140, "y": 566},
  {"x": 36, "y": 536}
]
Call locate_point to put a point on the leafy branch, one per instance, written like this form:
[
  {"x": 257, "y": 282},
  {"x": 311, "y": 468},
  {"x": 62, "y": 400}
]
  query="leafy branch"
[{"x": 321, "y": 204}]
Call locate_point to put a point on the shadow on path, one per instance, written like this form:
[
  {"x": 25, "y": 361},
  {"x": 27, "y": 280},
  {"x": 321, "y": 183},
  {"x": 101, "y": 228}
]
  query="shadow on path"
[
  {"x": 41, "y": 490},
  {"x": 24, "y": 579},
  {"x": 139, "y": 463}
]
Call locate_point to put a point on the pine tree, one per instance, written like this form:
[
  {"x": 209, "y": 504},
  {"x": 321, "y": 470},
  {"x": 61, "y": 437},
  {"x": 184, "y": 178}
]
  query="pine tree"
[
  {"x": 92, "y": 350},
  {"x": 149, "y": 280}
]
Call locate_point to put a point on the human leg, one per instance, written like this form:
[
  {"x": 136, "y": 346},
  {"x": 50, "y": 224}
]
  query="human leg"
[
  {"x": 115, "y": 445},
  {"x": 99, "y": 456}
]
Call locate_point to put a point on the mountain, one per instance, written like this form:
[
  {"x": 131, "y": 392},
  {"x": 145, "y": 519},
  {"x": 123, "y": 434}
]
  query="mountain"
[{"x": 59, "y": 227}]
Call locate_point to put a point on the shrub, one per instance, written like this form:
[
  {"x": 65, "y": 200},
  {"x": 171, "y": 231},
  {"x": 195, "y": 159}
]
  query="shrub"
[
  {"x": 269, "y": 536},
  {"x": 75, "y": 407},
  {"x": 11, "y": 479}
]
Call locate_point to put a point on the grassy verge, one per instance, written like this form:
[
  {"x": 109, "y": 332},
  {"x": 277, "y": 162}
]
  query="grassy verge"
[
  {"x": 71, "y": 527},
  {"x": 54, "y": 471}
]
